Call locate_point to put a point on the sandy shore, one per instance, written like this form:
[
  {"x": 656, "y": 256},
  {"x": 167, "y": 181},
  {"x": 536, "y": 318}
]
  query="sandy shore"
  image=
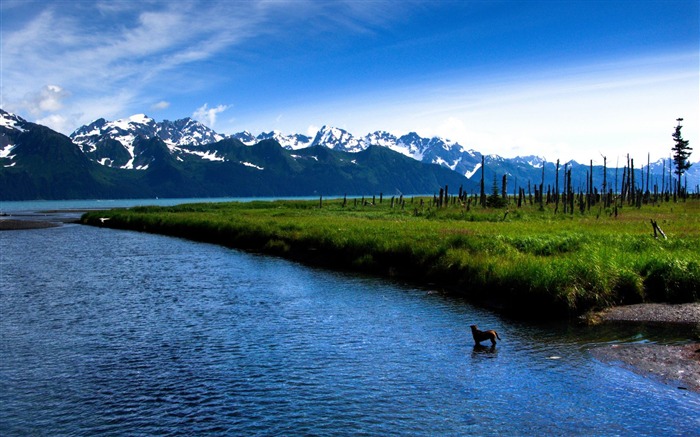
[
  {"x": 13, "y": 225},
  {"x": 677, "y": 365}
]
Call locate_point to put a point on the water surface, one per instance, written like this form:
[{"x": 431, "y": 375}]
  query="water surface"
[{"x": 120, "y": 333}]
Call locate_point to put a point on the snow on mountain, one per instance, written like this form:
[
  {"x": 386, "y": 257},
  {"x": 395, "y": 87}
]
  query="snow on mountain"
[
  {"x": 385, "y": 139},
  {"x": 90, "y": 138},
  {"x": 10, "y": 125},
  {"x": 117, "y": 144},
  {"x": 472, "y": 172},
  {"x": 532, "y": 161},
  {"x": 338, "y": 139},
  {"x": 208, "y": 155},
  {"x": 289, "y": 142},
  {"x": 97, "y": 139},
  {"x": 11, "y": 121},
  {"x": 102, "y": 141},
  {"x": 433, "y": 150},
  {"x": 246, "y": 138},
  {"x": 186, "y": 132}
]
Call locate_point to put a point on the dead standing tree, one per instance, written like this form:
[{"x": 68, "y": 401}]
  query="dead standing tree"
[{"x": 483, "y": 193}]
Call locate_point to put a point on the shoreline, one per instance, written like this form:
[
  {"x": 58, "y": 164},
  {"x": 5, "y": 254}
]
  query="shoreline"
[
  {"x": 687, "y": 314},
  {"x": 40, "y": 219},
  {"x": 17, "y": 225},
  {"x": 672, "y": 365},
  {"x": 675, "y": 365}
]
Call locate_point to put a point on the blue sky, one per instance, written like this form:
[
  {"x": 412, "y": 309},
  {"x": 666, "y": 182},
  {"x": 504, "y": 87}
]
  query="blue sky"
[{"x": 559, "y": 79}]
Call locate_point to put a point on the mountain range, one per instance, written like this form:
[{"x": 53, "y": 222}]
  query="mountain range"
[{"x": 139, "y": 157}]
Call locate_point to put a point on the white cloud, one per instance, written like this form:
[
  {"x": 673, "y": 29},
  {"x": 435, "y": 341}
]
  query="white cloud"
[
  {"x": 207, "y": 115},
  {"x": 48, "y": 99},
  {"x": 161, "y": 105},
  {"x": 56, "y": 122},
  {"x": 108, "y": 48},
  {"x": 101, "y": 49}
]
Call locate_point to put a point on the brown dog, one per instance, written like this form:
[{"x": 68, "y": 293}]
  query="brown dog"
[{"x": 480, "y": 336}]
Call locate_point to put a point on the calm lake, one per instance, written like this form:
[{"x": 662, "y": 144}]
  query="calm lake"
[{"x": 119, "y": 333}]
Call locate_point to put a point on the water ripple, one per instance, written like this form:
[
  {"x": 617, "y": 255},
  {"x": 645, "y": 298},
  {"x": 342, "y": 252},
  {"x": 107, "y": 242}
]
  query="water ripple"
[{"x": 136, "y": 334}]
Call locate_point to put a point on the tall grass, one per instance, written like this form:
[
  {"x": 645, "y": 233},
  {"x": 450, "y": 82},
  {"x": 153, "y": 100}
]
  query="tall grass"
[{"x": 530, "y": 261}]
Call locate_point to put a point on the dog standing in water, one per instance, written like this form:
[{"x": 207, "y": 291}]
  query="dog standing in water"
[{"x": 480, "y": 336}]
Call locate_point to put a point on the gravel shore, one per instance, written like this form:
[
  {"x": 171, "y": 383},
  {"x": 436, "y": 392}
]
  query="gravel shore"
[
  {"x": 677, "y": 365},
  {"x": 14, "y": 225},
  {"x": 653, "y": 313}
]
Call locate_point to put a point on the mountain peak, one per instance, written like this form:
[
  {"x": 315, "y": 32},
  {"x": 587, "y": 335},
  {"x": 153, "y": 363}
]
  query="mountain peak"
[
  {"x": 338, "y": 139},
  {"x": 140, "y": 119},
  {"x": 98, "y": 138},
  {"x": 9, "y": 120}
]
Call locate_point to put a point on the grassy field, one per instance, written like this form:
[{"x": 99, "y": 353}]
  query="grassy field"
[{"x": 527, "y": 261}]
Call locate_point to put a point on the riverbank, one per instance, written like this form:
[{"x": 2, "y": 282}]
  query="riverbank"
[
  {"x": 653, "y": 313},
  {"x": 677, "y": 365},
  {"x": 528, "y": 262}
]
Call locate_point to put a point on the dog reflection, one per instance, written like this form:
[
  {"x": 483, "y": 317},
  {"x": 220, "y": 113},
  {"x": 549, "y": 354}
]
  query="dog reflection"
[{"x": 485, "y": 350}]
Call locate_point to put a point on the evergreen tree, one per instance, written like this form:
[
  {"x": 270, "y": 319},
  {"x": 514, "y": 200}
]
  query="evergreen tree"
[
  {"x": 495, "y": 200},
  {"x": 681, "y": 152}
]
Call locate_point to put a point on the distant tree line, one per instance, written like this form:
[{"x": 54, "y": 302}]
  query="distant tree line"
[{"x": 627, "y": 189}]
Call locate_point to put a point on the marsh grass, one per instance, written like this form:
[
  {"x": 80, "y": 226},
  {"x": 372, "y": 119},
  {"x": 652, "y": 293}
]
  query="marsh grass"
[{"x": 531, "y": 261}]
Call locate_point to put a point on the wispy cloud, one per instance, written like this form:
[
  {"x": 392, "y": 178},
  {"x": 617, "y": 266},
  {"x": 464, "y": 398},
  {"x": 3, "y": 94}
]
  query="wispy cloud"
[
  {"x": 581, "y": 112},
  {"x": 56, "y": 49},
  {"x": 431, "y": 67},
  {"x": 160, "y": 105},
  {"x": 102, "y": 49},
  {"x": 207, "y": 115},
  {"x": 49, "y": 99}
]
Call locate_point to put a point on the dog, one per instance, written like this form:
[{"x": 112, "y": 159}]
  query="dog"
[{"x": 480, "y": 336}]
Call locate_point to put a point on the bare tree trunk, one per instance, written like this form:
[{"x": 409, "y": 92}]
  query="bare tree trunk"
[{"x": 483, "y": 193}]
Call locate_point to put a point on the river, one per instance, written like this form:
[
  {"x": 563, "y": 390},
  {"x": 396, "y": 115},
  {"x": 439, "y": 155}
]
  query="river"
[{"x": 120, "y": 333}]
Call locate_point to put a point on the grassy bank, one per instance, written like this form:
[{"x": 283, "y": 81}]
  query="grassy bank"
[{"x": 529, "y": 261}]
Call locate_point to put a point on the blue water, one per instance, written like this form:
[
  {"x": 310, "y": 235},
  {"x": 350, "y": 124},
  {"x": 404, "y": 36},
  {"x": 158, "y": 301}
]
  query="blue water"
[
  {"x": 40, "y": 206},
  {"x": 108, "y": 332}
]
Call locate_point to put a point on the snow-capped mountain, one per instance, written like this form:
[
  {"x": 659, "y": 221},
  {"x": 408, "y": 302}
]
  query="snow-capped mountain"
[
  {"x": 124, "y": 131},
  {"x": 40, "y": 163},
  {"x": 10, "y": 126},
  {"x": 245, "y": 137},
  {"x": 119, "y": 144},
  {"x": 11, "y": 121},
  {"x": 185, "y": 157},
  {"x": 186, "y": 132},
  {"x": 116, "y": 143},
  {"x": 428, "y": 150},
  {"x": 289, "y": 142},
  {"x": 443, "y": 152},
  {"x": 338, "y": 139}
]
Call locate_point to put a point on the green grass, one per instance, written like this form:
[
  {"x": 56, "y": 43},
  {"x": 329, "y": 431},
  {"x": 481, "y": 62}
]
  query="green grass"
[{"x": 533, "y": 262}]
